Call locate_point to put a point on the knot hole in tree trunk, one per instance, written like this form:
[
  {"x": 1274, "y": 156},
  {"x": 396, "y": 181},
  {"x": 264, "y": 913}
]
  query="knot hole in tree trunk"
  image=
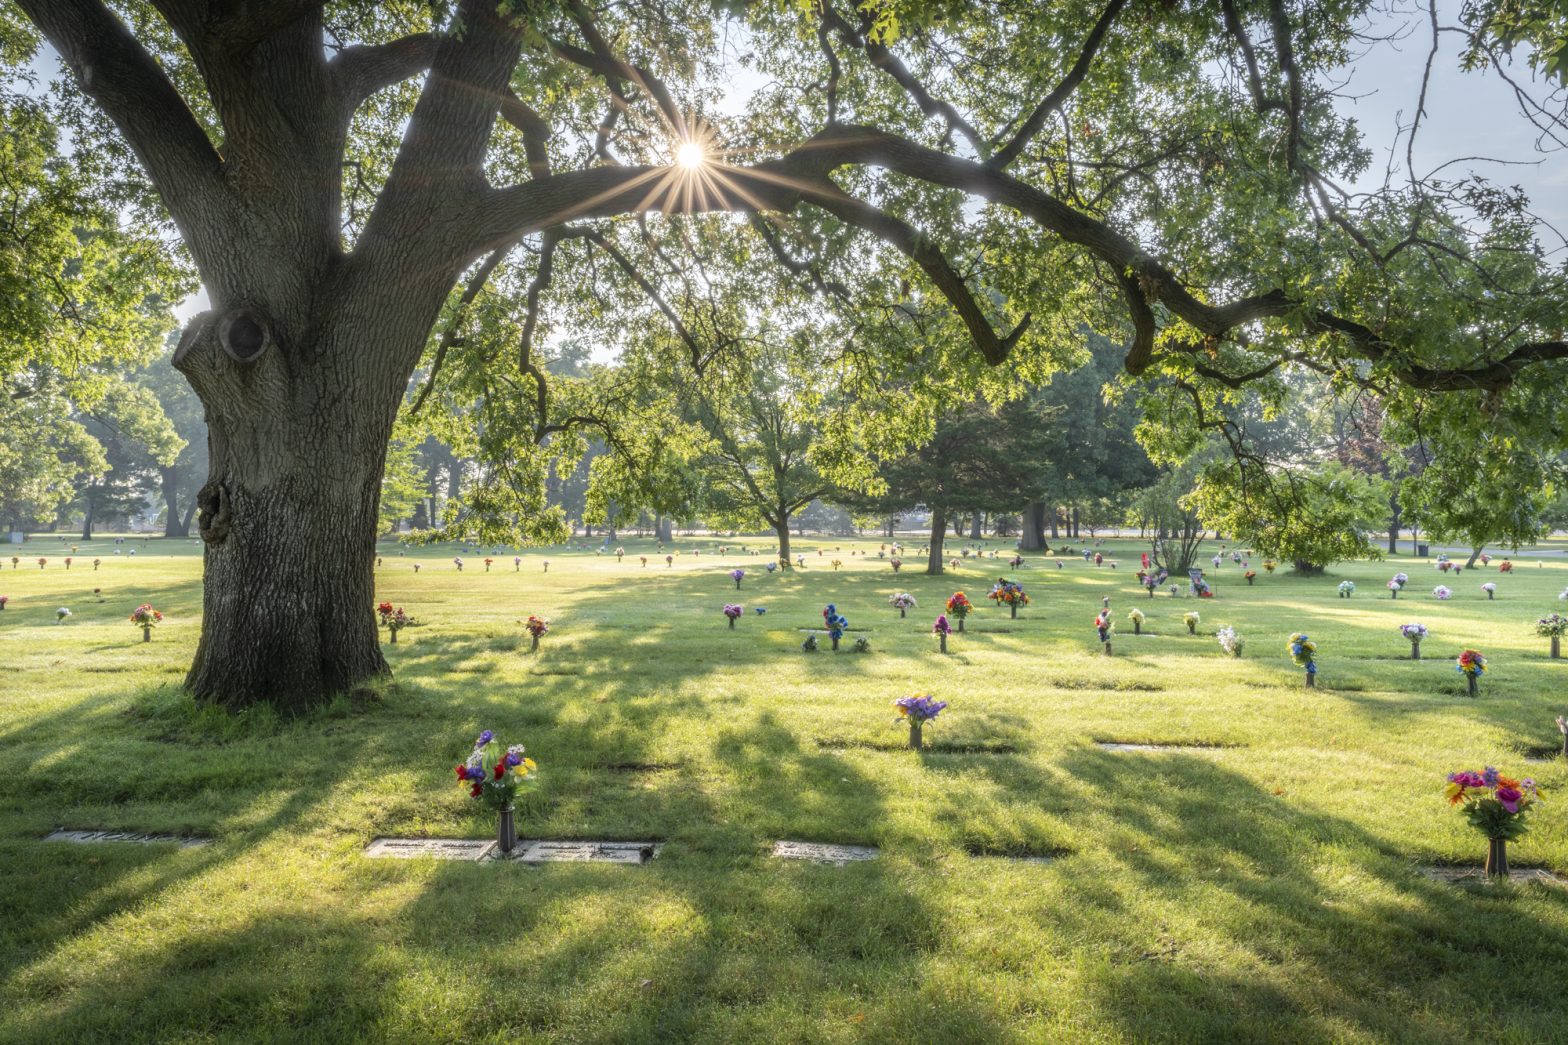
[{"x": 212, "y": 504}]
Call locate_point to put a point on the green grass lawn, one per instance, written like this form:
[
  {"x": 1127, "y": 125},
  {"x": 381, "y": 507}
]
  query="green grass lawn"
[{"x": 1266, "y": 889}]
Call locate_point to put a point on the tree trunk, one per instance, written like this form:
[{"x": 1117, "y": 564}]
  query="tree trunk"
[
  {"x": 782, "y": 529},
  {"x": 1056, "y": 528},
  {"x": 934, "y": 565},
  {"x": 1074, "y": 532},
  {"x": 976, "y": 526},
  {"x": 1475, "y": 553},
  {"x": 174, "y": 524},
  {"x": 1033, "y": 536},
  {"x": 87, "y": 517},
  {"x": 297, "y": 434},
  {"x": 1393, "y": 523}
]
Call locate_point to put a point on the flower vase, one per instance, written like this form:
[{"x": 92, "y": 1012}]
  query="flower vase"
[
  {"x": 1107, "y": 649},
  {"x": 1393, "y": 593},
  {"x": 146, "y": 633},
  {"x": 1137, "y": 627},
  {"x": 941, "y": 641},
  {"x": 506, "y": 831},
  {"x": 1192, "y": 629},
  {"x": 1312, "y": 680},
  {"x": 960, "y": 624},
  {"x": 916, "y": 741},
  {"x": 1415, "y": 651},
  {"x": 534, "y": 648},
  {"x": 835, "y": 643},
  {"x": 1475, "y": 687},
  {"x": 1250, "y": 580},
  {"x": 1491, "y": 595},
  {"x": 737, "y": 585},
  {"x": 1014, "y": 607},
  {"x": 901, "y": 613},
  {"x": 732, "y": 623},
  {"x": 1497, "y": 858},
  {"x": 1557, "y": 647}
]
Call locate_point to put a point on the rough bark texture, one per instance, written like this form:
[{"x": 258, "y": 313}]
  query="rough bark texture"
[
  {"x": 782, "y": 529},
  {"x": 934, "y": 564}
]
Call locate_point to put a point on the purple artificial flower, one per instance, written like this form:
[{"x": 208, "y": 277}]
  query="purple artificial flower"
[
  {"x": 1490, "y": 776},
  {"x": 484, "y": 738},
  {"x": 513, "y": 759},
  {"x": 1509, "y": 798}
]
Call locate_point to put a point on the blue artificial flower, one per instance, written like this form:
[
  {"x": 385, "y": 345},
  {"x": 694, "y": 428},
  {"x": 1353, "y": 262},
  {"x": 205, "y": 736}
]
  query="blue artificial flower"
[
  {"x": 484, "y": 738},
  {"x": 761, "y": 610}
]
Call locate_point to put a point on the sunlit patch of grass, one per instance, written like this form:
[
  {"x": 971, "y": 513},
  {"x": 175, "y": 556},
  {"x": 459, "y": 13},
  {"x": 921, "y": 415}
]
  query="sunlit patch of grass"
[{"x": 1265, "y": 887}]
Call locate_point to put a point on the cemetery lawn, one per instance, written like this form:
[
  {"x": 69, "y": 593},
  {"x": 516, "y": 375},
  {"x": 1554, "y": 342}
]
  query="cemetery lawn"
[{"x": 1264, "y": 885}]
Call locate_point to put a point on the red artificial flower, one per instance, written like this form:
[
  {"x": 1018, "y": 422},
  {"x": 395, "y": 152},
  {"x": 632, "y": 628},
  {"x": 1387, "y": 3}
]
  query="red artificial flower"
[
  {"x": 462, "y": 772},
  {"x": 385, "y": 607},
  {"x": 478, "y": 789},
  {"x": 500, "y": 770}
]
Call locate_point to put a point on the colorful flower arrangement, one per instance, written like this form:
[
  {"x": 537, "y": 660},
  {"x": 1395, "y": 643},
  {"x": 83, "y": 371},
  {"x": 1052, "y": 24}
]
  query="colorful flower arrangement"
[
  {"x": 1553, "y": 626},
  {"x": 737, "y": 575},
  {"x": 1192, "y": 620},
  {"x": 488, "y": 563},
  {"x": 669, "y": 560},
  {"x": 537, "y": 628},
  {"x": 1269, "y": 564},
  {"x": 1471, "y": 664},
  {"x": 733, "y": 612},
  {"x": 916, "y": 712},
  {"x": 1009, "y": 593},
  {"x": 1251, "y": 576},
  {"x": 1303, "y": 651},
  {"x": 620, "y": 553},
  {"x": 1491, "y": 590},
  {"x": 1443, "y": 564},
  {"x": 1136, "y": 616},
  {"x": 769, "y": 566},
  {"x": 14, "y": 561},
  {"x": 1230, "y": 640},
  {"x": 958, "y": 606},
  {"x": 902, "y": 602},
  {"x": 42, "y": 563},
  {"x": 146, "y": 618},
  {"x": 1414, "y": 633},
  {"x": 810, "y": 644},
  {"x": 896, "y": 563},
  {"x": 835, "y": 622},
  {"x": 457, "y": 560},
  {"x": 97, "y": 563},
  {"x": 3, "y": 600},
  {"x": 1103, "y": 626},
  {"x": 1200, "y": 587},
  {"x": 68, "y": 562},
  {"x": 1347, "y": 589},
  {"x": 1505, "y": 567},
  {"x": 1442, "y": 593},
  {"x": 394, "y": 620},
  {"x": 60, "y": 615},
  {"x": 496, "y": 775},
  {"x": 1016, "y": 562},
  {"x": 836, "y": 563},
  {"x": 1496, "y": 806},
  {"x": 862, "y": 645}
]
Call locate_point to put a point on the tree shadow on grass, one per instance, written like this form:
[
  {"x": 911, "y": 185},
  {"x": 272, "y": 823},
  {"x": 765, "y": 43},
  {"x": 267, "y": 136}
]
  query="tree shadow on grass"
[{"x": 1345, "y": 936}]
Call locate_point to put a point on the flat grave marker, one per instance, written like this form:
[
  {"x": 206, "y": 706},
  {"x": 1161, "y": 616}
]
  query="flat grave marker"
[
  {"x": 825, "y": 853},
  {"x": 472, "y": 850},
  {"x": 90, "y": 837},
  {"x": 1516, "y": 875},
  {"x": 577, "y": 852}
]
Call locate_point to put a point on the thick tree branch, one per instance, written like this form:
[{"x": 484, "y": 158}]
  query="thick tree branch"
[
  {"x": 117, "y": 72},
  {"x": 1059, "y": 94},
  {"x": 362, "y": 70}
]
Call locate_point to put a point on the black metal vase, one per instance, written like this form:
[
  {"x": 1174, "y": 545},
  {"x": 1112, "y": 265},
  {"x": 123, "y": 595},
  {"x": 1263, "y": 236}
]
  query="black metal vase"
[
  {"x": 506, "y": 830},
  {"x": 1497, "y": 858}
]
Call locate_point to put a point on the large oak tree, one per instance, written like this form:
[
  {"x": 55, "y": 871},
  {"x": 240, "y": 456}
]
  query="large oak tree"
[{"x": 1168, "y": 172}]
